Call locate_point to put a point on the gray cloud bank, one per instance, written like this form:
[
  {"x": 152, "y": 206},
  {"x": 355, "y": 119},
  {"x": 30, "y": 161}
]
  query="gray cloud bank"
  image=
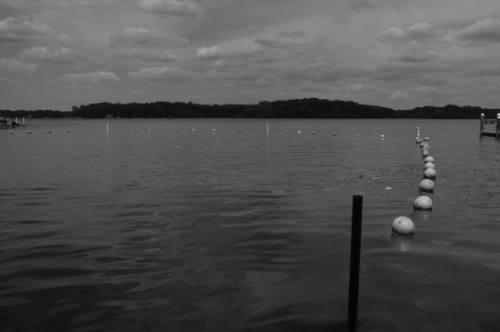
[{"x": 386, "y": 52}]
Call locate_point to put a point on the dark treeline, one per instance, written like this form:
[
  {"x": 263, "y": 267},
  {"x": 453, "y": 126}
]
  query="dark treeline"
[
  {"x": 302, "y": 108},
  {"x": 36, "y": 114},
  {"x": 298, "y": 108}
]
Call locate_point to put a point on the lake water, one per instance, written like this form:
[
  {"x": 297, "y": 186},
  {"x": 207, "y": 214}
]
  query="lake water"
[{"x": 155, "y": 227}]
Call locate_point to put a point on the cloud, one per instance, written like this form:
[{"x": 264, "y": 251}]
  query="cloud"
[
  {"x": 398, "y": 95},
  {"x": 321, "y": 72},
  {"x": 9, "y": 67},
  {"x": 421, "y": 30},
  {"x": 483, "y": 31},
  {"x": 89, "y": 78},
  {"x": 163, "y": 73},
  {"x": 408, "y": 71},
  {"x": 82, "y": 3},
  {"x": 237, "y": 48},
  {"x": 141, "y": 36},
  {"x": 171, "y": 7},
  {"x": 418, "y": 31},
  {"x": 208, "y": 53},
  {"x": 284, "y": 39},
  {"x": 359, "y": 5},
  {"x": 14, "y": 7},
  {"x": 415, "y": 54},
  {"x": 59, "y": 54},
  {"x": 17, "y": 29},
  {"x": 490, "y": 71},
  {"x": 248, "y": 75},
  {"x": 158, "y": 55},
  {"x": 393, "y": 34},
  {"x": 356, "y": 87}
]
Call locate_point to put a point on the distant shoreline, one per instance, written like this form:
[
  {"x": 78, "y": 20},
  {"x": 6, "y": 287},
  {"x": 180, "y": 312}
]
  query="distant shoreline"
[{"x": 284, "y": 109}]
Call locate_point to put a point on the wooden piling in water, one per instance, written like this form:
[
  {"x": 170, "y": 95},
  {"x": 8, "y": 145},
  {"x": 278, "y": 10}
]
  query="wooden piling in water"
[{"x": 357, "y": 216}]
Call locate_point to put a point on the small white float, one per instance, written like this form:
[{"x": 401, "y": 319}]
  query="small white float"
[
  {"x": 426, "y": 185},
  {"x": 429, "y": 159},
  {"x": 422, "y": 202},
  {"x": 429, "y": 165},
  {"x": 430, "y": 173},
  {"x": 403, "y": 225}
]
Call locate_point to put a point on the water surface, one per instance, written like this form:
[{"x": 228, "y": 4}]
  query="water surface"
[{"x": 154, "y": 226}]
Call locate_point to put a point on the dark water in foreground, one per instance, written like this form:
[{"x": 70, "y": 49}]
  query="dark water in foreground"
[{"x": 173, "y": 230}]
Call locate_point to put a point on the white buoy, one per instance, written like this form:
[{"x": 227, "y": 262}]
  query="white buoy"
[
  {"x": 430, "y": 173},
  {"x": 214, "y": 130},
  {"x": 193, "y": 130},
  {"x": 403, "y": 225},
  {"x": 429, "y": 165},
  {"x": 299, "y": 132},
  {"x": 382, "y": 136},
  {"x": 426, "y": 185},
  {"x": 422, "y": 202},
  {"x": 425, "y": 145},
  {"x": 429, "y": 159}
]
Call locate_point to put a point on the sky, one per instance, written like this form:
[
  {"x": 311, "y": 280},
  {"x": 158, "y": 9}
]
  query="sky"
[{"x": 55, "y": 54}]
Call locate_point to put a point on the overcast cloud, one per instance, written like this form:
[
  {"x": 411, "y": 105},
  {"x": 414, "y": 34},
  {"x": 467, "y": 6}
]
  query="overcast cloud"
[{"x": 398, "y": 53}]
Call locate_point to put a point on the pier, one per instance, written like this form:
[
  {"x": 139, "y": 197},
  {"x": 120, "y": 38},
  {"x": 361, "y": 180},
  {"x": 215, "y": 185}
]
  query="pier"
[
  {"x": 484, "y": 122},
  {"x": 8, "y": 123}
]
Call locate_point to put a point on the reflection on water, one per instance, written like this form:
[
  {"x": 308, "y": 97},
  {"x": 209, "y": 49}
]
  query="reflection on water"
[
  {"x": 155, "y": 227},
  {"x": 402, "y": 242}
]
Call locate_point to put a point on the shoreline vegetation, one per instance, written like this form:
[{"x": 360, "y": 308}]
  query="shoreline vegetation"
[{"x": 310, "y": 108}]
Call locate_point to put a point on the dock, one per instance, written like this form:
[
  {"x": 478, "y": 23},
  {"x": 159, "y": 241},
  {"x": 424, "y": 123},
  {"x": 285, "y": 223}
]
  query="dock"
[
  {"x": 8, "y": 123},
  {"x": 486, "y": 122}
]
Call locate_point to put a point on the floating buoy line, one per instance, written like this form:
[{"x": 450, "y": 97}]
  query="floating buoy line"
[
  {"x": 403, "y": 225},
  {"x": 268, "y": 128}
]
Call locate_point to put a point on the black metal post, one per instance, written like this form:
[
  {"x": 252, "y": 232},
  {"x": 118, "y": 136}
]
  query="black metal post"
[{"x": 357, "y": 216}]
